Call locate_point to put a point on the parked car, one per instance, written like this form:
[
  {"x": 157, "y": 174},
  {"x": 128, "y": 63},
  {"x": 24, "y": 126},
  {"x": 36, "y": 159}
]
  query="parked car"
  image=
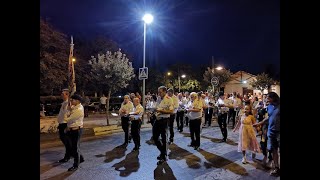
[{"x": 52, "y": 107}]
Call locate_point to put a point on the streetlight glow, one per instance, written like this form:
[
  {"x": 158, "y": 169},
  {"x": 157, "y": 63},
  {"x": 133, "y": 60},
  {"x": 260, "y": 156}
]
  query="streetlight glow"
[
  {"x": 219, "y": 68},
  {"x": 73, "y": 59},
  {"x": 147, "y": 18},
  {"x": 244, "y": 82},
  {"x": 183, "y": 76},
  {"x": 169, "y": 73}
]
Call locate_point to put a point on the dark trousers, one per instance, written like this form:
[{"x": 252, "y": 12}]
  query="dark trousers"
[
  {"x": 74, "y": 139},
  {"x": 187, "y": 121},
  {"x": 208, "y": 116},
  {"x": 125, "y": 128},
  {"x": 135, "y": 132},
  {"x": 170, "y": 124},
  {"x": 264, "y": 143},
  {"x": 86, "y": 111},
  {"x": 195, "y": 131},
  {"x": 179, "y": 119},
  {"x": 160, "y": 128},
  {"x": 64, "y": 140},
  {"x": 232, "y": 115},
  {"x": 222, "y": 121}
]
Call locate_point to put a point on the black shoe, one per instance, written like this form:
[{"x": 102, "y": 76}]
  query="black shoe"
[
  {"x": 135, "y": 149},
  {"x": 159, "y": 157},
  {"x": 81, "y": 160},
  {"x": 73, "y": 168},
  {"x": 180, "y": 130},
  {"x": 196, "y": 148},
  {"x": 124, "y": 145},
  {"x": 190, "y": 145},
  {"x": 63, "y": 160},
  {"x": 275, "y": 172},
  {"x": 222, "y": 140}
]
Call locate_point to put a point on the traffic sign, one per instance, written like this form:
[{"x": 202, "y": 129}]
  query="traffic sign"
[
  {"x": 215, "y": 81},
  {"x": 143, "y": 73}
]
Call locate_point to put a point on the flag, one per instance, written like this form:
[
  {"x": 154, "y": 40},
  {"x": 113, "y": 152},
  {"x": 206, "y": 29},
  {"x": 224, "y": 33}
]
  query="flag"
[{"x": 71, "y": 75}]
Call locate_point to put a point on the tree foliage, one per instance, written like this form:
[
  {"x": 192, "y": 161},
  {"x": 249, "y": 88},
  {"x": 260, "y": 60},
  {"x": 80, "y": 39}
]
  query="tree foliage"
[
  {"x": 84, "y": 48},
  {"x": 263, "y": 82},
  {"x": 224, "y": 76},
  {"x": 112, "y": 72},
  {"x": 54, "y": 58}
]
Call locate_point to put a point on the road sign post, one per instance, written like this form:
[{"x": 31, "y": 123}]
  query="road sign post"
[{"x": 143, "y": 73}]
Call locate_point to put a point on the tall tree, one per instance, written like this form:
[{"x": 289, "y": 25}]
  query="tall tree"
[
  {"x": 112, "y": 71},
  {"x": 84, "y": 48},
  {"x": 54, "y": 51},
  {"x": 263, "y": 82}
]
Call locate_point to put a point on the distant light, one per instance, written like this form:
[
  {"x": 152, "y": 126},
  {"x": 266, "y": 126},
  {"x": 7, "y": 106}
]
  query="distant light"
[
  {"x": 219, "y": 68},
  {"x": 119, "y": 96},
  {"x": 73, "y": 59},
  {"x": 169, "y": 73},
  {"x": 244, "y": 82},
  {"x": 183, "y": 76},
  {"x": 147, "y": 18}
]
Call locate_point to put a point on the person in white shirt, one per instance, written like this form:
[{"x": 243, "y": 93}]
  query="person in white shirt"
[
  {"x": 173, "y": 115},
  {"x": 103, "y": 103},
  {"x": 74, "y": 130},
  {"x": 186, "y": 99},
  {"x": 136, "y": 119},
  {"x": 209, "y": 100},
  {"x": 194, "y": 112},
  {"x": 222, "y": 116},
  {"x": 125, "y": 109},
  {"x": 180, "y": 112},
  {"x": 163, "y": 111},
  {"x": 63, "y": 125}
]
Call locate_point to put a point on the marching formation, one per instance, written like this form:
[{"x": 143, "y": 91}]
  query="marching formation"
[{"x": 250, "y": 115}]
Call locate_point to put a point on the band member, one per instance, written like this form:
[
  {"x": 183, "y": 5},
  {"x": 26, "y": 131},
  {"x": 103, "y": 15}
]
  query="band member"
[
  {"x": 74, "y": 130},
  {"x": 63, "y": 125},
  {"x": 222, "y": 116},
  {"x": 173, "y": 115},
  {"x": 125, "y": 109},
  {"x": 180, "y": 112},
  {"x": 163, "y": 111},
  {"x": 194, "y": 112},
  {"x": 136, "y": 119},
  {"x": 209, "y": 110}
]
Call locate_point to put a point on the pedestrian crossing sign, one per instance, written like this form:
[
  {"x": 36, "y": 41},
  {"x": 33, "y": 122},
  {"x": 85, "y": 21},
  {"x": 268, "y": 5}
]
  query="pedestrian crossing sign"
[{"x": 143, "y": 73}]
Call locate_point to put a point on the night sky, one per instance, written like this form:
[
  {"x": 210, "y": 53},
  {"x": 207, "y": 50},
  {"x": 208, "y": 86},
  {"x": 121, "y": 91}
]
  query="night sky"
[{"x": 235, "y": 32}]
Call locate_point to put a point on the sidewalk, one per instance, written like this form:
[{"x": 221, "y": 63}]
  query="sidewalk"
[
  {"x": 94, "y": 121},
  {"x": 48, "y": 126}
]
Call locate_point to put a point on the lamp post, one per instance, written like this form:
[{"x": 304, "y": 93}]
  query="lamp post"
[{"x": 147, "y": 19}]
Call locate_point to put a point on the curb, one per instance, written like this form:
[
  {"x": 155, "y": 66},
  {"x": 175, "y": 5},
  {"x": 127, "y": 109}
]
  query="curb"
[{"x": 88, "y": 132}]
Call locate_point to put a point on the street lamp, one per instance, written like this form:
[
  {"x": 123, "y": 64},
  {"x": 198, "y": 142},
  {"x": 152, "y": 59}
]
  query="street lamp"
[
  {"x": 183, "y": 76},
  {"x": 147, "y": 19}
]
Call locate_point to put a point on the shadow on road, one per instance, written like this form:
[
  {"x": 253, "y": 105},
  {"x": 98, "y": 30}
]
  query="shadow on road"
[
  {"x": 47, "y": 167},
  {"x": 178, "y": 153},
  {"x": 128, "y": 165},
  {"x": 63, "y": 175},
  {"x": 115, "y": 153},
  {"x": 215, "y": 140},
  {"x": 220, "y": 162},
  {"x": 163, "y": 171}
]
